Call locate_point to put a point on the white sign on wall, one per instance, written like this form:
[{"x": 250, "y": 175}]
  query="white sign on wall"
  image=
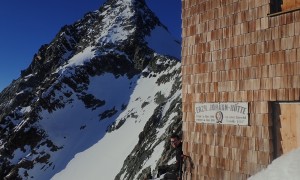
[{"x": 235, "y": 113}]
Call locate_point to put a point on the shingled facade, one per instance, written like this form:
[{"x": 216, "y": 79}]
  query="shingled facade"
[{"x": 239, "y": 51}]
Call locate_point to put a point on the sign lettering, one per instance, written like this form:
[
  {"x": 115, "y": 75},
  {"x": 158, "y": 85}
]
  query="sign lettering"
[{"x": 235, "y": 113}]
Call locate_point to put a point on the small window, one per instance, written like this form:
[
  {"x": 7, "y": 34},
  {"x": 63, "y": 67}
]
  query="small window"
[{"x": 284, "y": 5}]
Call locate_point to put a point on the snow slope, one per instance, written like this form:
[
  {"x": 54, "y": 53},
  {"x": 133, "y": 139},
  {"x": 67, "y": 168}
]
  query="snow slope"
[{"x": 284, "y": 167}]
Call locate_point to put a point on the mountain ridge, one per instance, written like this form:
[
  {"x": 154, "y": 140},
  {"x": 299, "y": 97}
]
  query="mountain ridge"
[{"x": 73, "y": 84}]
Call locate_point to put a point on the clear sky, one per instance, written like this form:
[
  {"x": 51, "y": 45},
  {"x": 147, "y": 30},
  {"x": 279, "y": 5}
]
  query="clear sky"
[{"x": 26, "y": 25}]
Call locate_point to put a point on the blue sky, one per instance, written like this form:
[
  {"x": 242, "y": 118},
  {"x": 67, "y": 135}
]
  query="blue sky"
[{"x": 26, "y": 25}]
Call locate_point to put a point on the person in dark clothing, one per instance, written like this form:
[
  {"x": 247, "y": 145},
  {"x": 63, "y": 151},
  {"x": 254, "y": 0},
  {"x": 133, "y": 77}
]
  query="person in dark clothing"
[{"x": 173, "y": 171}]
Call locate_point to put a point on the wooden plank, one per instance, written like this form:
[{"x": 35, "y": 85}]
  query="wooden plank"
[
  {"x": 290, "y": 125},
  {"x": 290, "y": 4},
  {"x": 297, "y": 118}
]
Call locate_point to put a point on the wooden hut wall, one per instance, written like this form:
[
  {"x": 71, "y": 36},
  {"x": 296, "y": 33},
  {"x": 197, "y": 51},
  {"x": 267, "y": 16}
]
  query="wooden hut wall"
[{"x": 234, "y": 51}]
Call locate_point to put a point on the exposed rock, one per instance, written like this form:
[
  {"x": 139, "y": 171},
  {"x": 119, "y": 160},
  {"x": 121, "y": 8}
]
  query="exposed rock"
[{"x": 35, "y": 109}]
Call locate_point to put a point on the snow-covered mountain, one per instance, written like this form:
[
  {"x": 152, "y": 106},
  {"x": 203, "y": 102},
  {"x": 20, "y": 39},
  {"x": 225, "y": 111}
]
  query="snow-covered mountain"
[{"x": 98, "y": 102}]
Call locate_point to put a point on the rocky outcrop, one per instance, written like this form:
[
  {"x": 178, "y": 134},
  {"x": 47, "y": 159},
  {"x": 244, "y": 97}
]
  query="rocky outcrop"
[{"x": 61, "y": 77}]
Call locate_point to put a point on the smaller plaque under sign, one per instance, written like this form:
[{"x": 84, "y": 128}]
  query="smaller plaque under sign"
[{"x": 235, "y": 113}]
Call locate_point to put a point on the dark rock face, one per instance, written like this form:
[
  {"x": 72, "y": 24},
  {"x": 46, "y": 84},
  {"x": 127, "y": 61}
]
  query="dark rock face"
[
  {"x": 149, "y": 139},
  {"x": 60, "y": 76}
]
